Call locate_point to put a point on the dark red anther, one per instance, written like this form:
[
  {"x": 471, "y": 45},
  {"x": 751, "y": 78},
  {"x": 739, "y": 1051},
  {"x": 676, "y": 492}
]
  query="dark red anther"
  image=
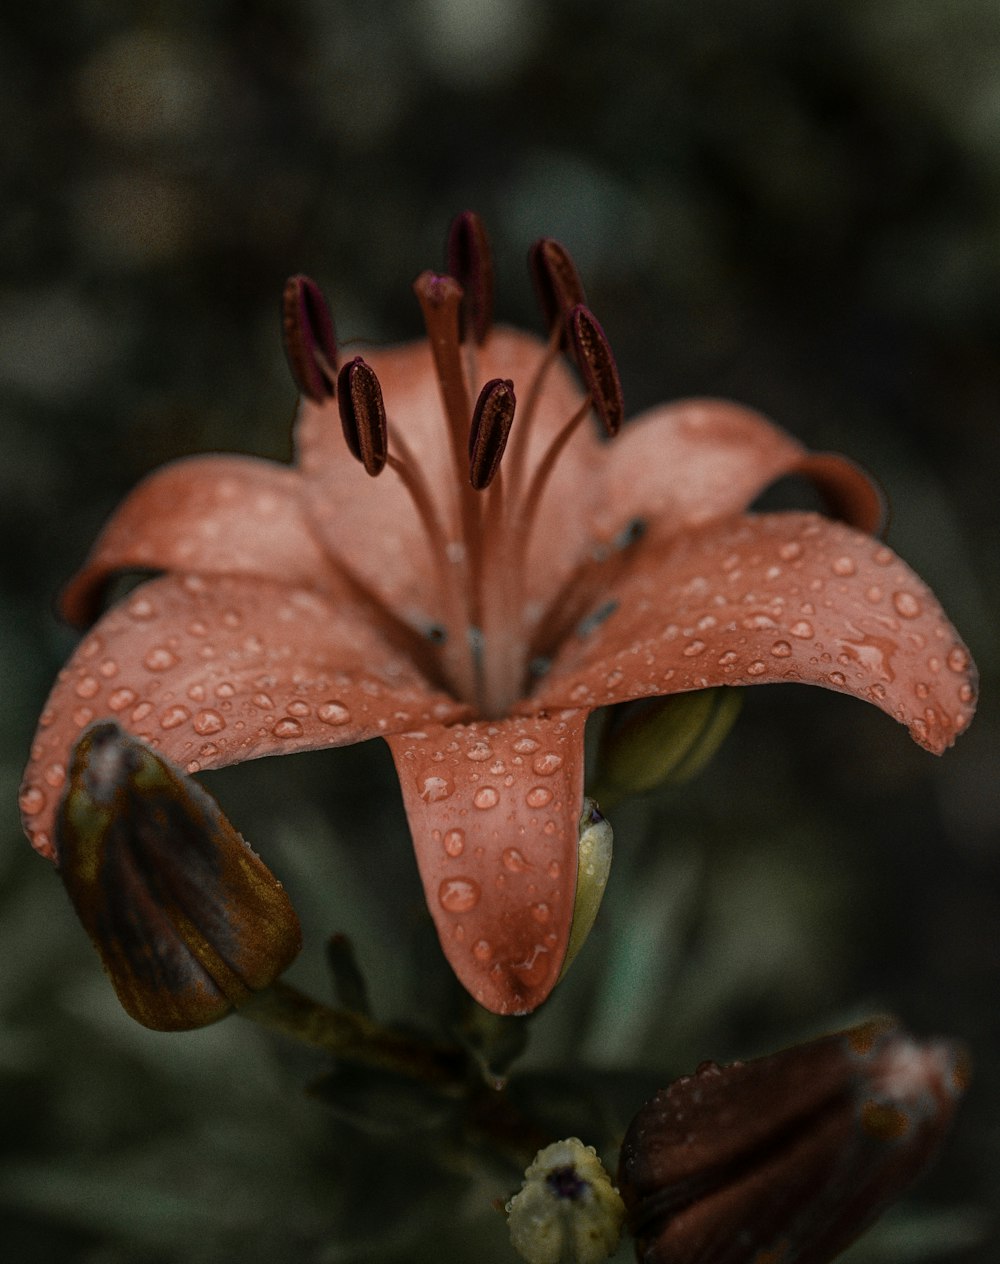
[
  {"x": 310, "y": 342},
  {"x": 597, "y": 366},
  {"x": 491, "y": 423},
  {"x": 557, "y": 282},
  {"x": 788, "y": 1157},
  {"x": 362, "y": 414},
  {"x": 470, "y": 262}
]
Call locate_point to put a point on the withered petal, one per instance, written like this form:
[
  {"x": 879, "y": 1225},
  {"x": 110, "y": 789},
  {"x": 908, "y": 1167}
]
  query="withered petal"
[
  {"x": 767, "y": 599},
  {"x": 211, "y": 514},
  {"x": 216, "y": 671},
  {"x": 494, "y": 811}
]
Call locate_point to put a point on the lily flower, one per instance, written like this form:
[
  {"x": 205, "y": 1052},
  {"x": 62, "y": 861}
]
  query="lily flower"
[{"x": 460, "y": 563}]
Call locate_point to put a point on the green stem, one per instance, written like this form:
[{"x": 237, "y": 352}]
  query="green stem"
[{"x": 355, "y": 1038}]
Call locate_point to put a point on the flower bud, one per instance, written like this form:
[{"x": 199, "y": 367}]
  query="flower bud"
[
  {"x": 593, "y": 867},
  {"x": 789, "y": 1157},
  {"x": 664, "y": 740},
  {"x": 188, "y": 920},
  {"x": 567, "y": 1212}
]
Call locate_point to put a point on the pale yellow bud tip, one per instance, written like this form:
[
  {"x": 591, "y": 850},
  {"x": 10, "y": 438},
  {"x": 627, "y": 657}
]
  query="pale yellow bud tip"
[
  {"x": 567, "y": 1212},
  {"x": 593, "y": 868}
]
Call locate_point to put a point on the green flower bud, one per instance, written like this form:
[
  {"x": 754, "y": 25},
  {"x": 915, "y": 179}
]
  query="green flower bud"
[
  {"x": 188, "y": 920},
  {"x": 567, "y": 1211},
  {"x": 593, "y": 868},
  {"x": 663, "y": 741}
]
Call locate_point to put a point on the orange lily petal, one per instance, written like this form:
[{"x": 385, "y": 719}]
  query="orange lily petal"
[
  {"x": 213, "y": 673},
  {"x": 771, "y": 598},
  {"x": 211, "y": 514},
  {"x": 494, "y": 812}
]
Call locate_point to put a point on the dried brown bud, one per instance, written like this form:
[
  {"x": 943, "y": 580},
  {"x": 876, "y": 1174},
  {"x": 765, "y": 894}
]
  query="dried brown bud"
[
  {"x": 188, "y": 921},
  {"x": 310, "y": 342},
  {"x": 787, "y": 1158}
]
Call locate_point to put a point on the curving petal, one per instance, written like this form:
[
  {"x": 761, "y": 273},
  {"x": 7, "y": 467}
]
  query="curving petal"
[
  {"x": 772, "y": 598},
  {"x": 494, "y": 810},
  {"x": 213, "y": 672},
  {"x": 352, "y": 510},
  {"x": 210, "y": 514}
]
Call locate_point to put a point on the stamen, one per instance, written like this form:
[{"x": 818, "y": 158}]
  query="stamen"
[
  {"x": 596, "y": 363},
  {"x": 470, "y": 262},
  {"x": 491, "y": 423},
  {"x": 362, "y": 414},
  {"x": 310, "y": 342},
  {"x": 557, "y": 283}
]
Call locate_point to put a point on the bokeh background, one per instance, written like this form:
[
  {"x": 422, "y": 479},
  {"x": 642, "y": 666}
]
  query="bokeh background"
[{"x": 794, "y": 203}]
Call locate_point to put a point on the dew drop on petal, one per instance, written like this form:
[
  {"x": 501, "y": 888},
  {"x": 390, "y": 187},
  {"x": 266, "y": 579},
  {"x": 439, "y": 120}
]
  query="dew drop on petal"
[
  {"x": 299, "y": 707},
  {"x": 208, "y": 721},
  {"x": 958, "y": 659},
  {"x": 225, "y": 690},
  {"x": 173, "y": 716},
  {"x": 454, "y": 842},
  {"x": 533, "y": 970},
  {"x": 482, "y": 950},
  {"x": 264, "y": 701},
  {"x": 838, "y": 679},
  {"x": 546, "y": 765},
  {"x": 32, "y": 800},
  {"x": 140, "y": 608},
  {"x": 334, "y": 713},
  {"x": 287, "y": 728},
  {"x": 906, "y": 605},
  {"x": 790, "y": 550},
  {"x": 458, "y": 895},
  {"x": 83, "y": 715},
  {"x": 434, "y": 788},
  {"x": 515, "y": 860},
  {"x": 803, "y": 629},
  {"x": 966, "y": 692},
  {"x": 843, "y": 566},
  {"x": 541, "y": 912},
  {"x": 108, "y": 668},
  {"x": 694, "y": 648},
  {"x": 525, "y": 745},
  {"x": 538, "y": 797},
  {"x": 781, "y": 649},
  {"x": 55, "y": 775},
  {"x": 159, "y": 658},
  {"x": 756, "y": 668},
  {"x": 121, "y": 698},
  {"x": 142, "y": 711},
  {"x": 486, "y": 797},
  {"x": 479, "y": 751}
]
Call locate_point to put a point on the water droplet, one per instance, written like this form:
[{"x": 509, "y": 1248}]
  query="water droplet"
[
  {"x": 454, "y": 842},
  {"x": 534, "y": 969},
  {"x": 55, "y": 775},
  {"x": 877, "y": 691},
  {"x": 966, "y": 692},
  {"x": 554, "y": 869},
  {"x": 756, "y": 668},
  {"x": 481, "y": 950},
  {"x": 298, "y": 707},
  {"x": 883, "y": 556},
  {"x": 838, "y": 679},
  {"x": 86, "y": 687},
  {"x": 197, "y": 628},
  {"x": 906, "y": 605},
  {"x": 32, "y": 800},
  {"x": 91, "y": 647},
  {"x": 541, "y": 912},
  {"x": 108, "y": 668},
  {"x": 232, "y": 618},
  {"x": 225, "y": 690},
  {"x": 83, "y": 715},
  {"x": 458, "y": 895},
  {"x": 921, "y": 689},
  {"x": 525, "y": 745},
  {"x": 142, "y": 711},
  {"x": 434, "y": 788},
  {"x": 479, "y": 751},
  {"x": 579, "y": 693},
  {"x": 803, "y": 629},
  {"x": 693, "y": 648},
  {"x": 727, "y": 659},
  {"x": 758, "y": 622},
  {"x": 546, "y": 765},
  {"x": 264, "y": 701},
  {"x": 140, "y": 608},
  {"x": 843, "y": 566},
  {"x": 287, "y": 728},
  {"x": 208, "y": 721},
  {"x": 334, "y": 713},
  {"x": 173, "y": 716},
  {"x": 538, "y": 797},
  {"x": 790, "y": 550},
  {"x": 196, "y": 693},
  {"x": 958, "y": 659},
  {"x": 515, "y": 861},
  {"x": 781, "y": 649},
  {"x": 486, "y": 797},
  {"x": 160, "y": 658}
]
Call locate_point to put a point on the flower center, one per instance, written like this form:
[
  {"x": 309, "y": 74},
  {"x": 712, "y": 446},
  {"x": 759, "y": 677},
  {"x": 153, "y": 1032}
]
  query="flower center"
[{"x": 479, "y": 527}]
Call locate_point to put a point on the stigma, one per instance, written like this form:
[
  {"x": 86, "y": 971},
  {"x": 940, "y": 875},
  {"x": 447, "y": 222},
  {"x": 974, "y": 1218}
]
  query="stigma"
[{"x": 486, "y": 641}]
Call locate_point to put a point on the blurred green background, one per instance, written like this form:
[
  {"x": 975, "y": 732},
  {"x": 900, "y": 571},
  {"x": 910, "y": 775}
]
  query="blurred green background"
[{"x": 792, "y": 203}]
